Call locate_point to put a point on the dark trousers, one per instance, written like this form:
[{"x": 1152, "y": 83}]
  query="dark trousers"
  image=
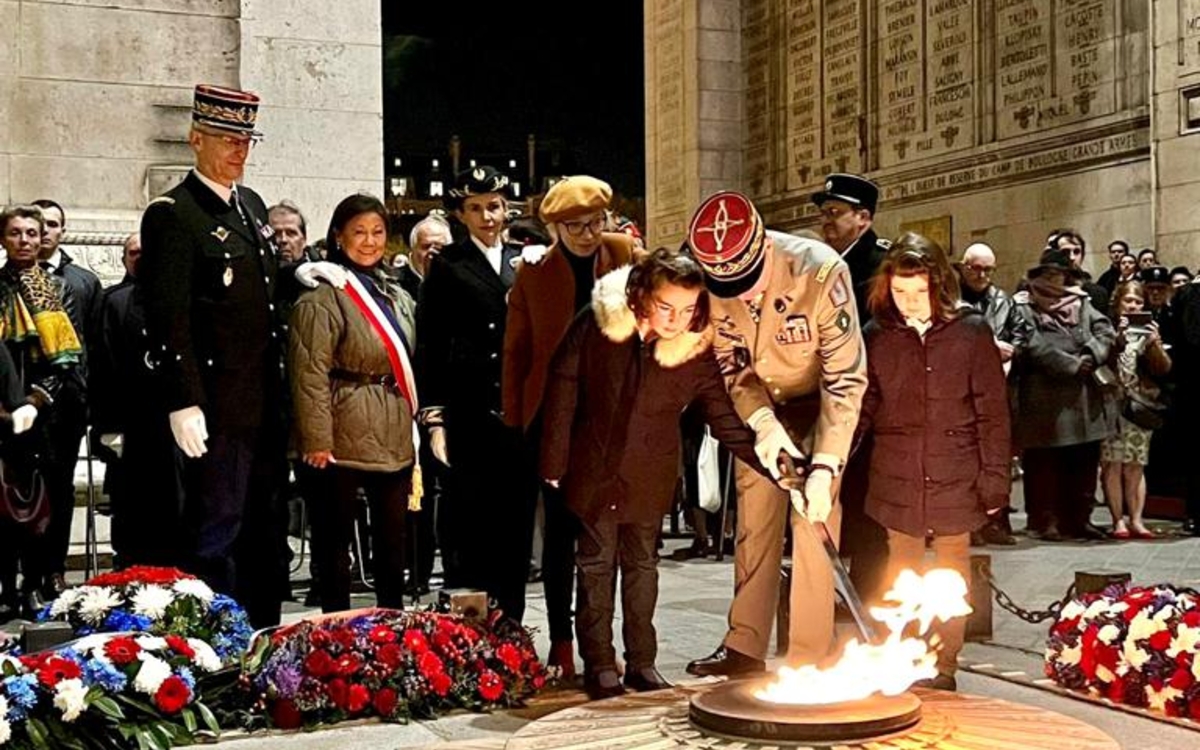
[
  {"x": 604, "y": 547},
  {"x": 863, "y": 540},
  {"x": 489, "y": 508},
  {"x": 561, "y": 532},
  {"x": 146, "y": 488},
  {"x": 239, "y": 529},
  {"x": 420, "y": 532},
  {"x": 333, "y": 531},
  {"x": 67, "y": 426},
  {"x": 1060, "y": 485}
]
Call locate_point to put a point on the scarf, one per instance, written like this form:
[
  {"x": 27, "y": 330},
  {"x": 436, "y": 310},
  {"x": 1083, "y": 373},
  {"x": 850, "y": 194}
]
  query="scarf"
[
  {"x": 35, "y": 312},
  {"x": 1056, "y": 305}
]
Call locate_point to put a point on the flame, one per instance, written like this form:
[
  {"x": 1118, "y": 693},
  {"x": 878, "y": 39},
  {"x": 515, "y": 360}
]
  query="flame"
[{"x": 889, "y": 668}]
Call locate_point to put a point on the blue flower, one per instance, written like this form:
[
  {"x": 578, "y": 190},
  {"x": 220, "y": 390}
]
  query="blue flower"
[
  {"x": 188, "y": 678},
  {"x": 96, "y": 672},
  {"x": 121, "y": 621},
  {"x": 44, "y": 614},
  {"x": 21, "y": 695}
]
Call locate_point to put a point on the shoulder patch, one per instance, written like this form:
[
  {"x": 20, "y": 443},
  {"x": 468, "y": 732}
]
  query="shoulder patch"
[
  {"x": 165, "y": 200},
  {"x": 883, "y": 243},
  {"x": 826, "y": 269}
]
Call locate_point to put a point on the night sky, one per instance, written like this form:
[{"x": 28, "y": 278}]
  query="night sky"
[{"x": 494, "y": 73}]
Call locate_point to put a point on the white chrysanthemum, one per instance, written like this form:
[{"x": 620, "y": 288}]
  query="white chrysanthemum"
[
  {"x": 194, "y": 587},
  {"x": 1136, "y": 657},
  {"x": 96, "y": 603},
  {"x": 1142, "y": 627},
  {"x": 1103, "y": 673},
  {"x": 70, "y": 697},
  {"x": 206, "y": 658},
  {"x": 1186, "y": 641},
  {"x": 151, "y": 674},
  {"x": 1097, "y": 608},
  {"x": 5, "y": 727},
  {"x": 1071, "y": 655},
  {"x": 92, "y": 646},
  {"x": 1109, "y": 633},
  {"x": 1160, "y": 698},
  {"x": 150, "y": 642},
  {"x": 1072, "y": 610},
  {"x": 66, "y": 601},
  {"x": 152, "y": 601}
]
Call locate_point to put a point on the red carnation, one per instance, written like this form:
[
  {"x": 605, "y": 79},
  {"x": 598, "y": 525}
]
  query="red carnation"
[
  {"x": 285, "y": 715},
  {"x": 319, "y": 638},
  {"x": 539, "y": 681},
  {"x": 491, "y": 687},
  {"x": 390, "y": 656},
  {"x": 448, "y": 625},
  {"x": 385, "y": 702},
  {"x": 414, "y": 640},
  {"x": 319, "y": 664},
  {"x": 1193, "y": 708},
  {"x": 468, "y": 634},
  {"x": 429, "y": 664},
  {"x": 509, "y": 656},
  {"x": 382, "y": 634},
  {"x": 441, "y": 683},
  {"x": 180, "y": 646},
  {"x": 172, "y": 695},
  {"x": 344, "y": 637},
  {"x": 358, "y": 698},
  {"x": 1191, "y": 618},
  {"x": 56, "y": 669},
  {"x": 339, "y": 693},
  {"x": 35, "y": 662},
  {"x": 1182, "y": 679},
  {"x": 122, "y": 651},
  {"x": 348, "y": 664},
  {"x": 1161, "y": 640}
]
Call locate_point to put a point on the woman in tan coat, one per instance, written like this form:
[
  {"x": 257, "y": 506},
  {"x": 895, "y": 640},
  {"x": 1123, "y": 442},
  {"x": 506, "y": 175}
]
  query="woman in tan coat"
[{"x": 354, "y": 402}]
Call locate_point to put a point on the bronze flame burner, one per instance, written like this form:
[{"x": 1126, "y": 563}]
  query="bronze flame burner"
[{"x": 731, "y": 710}]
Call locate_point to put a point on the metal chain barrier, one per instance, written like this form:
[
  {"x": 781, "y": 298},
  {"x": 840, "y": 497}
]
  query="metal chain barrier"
[{"x": 1033, "y": 616}]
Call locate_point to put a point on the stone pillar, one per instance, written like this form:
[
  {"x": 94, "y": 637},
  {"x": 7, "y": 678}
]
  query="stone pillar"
[
  {"x": 1176, "y": 129},
  {"x": 695, "y": 109},
  {"x": 318, "y": 69}
]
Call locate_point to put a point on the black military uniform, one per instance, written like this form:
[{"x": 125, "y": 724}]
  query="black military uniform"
[
  {"x": 487, "y": 535},
  {"x": 862, "y": 538},
  {"x": 208, "y": 273}
]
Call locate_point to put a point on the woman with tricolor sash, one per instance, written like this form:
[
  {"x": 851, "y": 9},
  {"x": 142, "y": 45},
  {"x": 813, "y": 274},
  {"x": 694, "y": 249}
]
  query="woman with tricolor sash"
[{"x": 352, "y": 383}]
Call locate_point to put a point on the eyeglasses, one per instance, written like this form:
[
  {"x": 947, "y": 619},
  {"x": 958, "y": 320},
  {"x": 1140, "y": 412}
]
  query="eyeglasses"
[
  {"x": 834, "y": 212},
  {"x": 235, "y": 141},
  {"x": 981, "y": 270},
  {"x": 575, "y": 228}
]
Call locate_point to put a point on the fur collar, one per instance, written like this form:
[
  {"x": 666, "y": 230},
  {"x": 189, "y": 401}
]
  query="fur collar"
[{"x": 618, "y": 324}]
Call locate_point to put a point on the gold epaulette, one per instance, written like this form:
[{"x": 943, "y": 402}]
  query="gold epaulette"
[{"x": 828, "y": 266}]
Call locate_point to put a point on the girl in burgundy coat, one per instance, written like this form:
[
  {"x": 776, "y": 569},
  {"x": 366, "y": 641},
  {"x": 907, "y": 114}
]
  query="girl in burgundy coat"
[
  {"x": 936, "y": 404},
  {"x": 618, "y": 383}
]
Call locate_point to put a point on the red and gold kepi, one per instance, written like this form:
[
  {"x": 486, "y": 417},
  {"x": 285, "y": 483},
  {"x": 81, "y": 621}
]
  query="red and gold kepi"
[
  {"x": 225, "y": 109},
  {"x": 727, "y": 238}
]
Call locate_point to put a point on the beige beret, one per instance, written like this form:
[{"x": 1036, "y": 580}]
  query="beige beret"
[{"x": 574, "y": 196}]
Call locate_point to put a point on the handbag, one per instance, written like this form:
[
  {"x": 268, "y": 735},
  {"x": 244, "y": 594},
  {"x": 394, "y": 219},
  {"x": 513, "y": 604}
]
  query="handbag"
[
  {"x": 1144, "y": 412},
  {"x": 708, "y": 472},
  {"x": 23, "y": 497}
]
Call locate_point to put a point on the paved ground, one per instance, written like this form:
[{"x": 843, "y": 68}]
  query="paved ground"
[{"x": 691, "y": 620}]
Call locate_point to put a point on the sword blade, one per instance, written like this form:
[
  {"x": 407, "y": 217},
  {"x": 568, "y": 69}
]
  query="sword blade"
[{"x": 865, "y": 624}]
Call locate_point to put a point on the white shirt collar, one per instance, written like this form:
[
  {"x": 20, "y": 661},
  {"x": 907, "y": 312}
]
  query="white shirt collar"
[
  {"x": 224, "y": 192},
  {"x": 493, "y": 254},
  {"x": 55, "y": 260}
]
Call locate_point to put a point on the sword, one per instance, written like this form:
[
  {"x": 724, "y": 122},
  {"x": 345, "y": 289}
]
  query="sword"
[{"x": 791, "y": 479}]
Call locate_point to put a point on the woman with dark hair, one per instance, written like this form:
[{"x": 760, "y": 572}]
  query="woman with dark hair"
[
  {"x": 628, "y": 366},
  {"x": 354, "y": 397},
  {"x": 937, "y": 407}
]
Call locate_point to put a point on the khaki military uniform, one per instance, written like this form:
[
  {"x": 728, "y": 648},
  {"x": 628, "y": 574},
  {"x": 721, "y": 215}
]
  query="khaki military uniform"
[{"x": 805, "y": 360}]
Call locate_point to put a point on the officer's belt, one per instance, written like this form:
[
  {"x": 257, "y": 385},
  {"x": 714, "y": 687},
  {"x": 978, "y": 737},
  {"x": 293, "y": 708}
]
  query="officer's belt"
[{"x": 362, "y": 378}]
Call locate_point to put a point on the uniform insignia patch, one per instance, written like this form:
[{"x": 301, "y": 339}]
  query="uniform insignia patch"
[
  {"x": 795, "y": 330},
  {"x": 780, "y": 305},
  {"x": 843, "y": 321},
  {"x": 266, "y": 231},
  {"x": 883, "y": 243},
  {"x": 164, "y": 199},
  {"x": 221, "y": 233},
  {"x": 839, "y": 294},
  {"x": 825, "y": 270}
]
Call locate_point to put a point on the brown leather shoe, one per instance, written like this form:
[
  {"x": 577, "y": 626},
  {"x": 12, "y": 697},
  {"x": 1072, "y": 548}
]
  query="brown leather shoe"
[
  {"x": 645, "y": 679},
  {"x": 602, "y": 684},
  {"x": 562, "y": 656},
  {"x": 726, "y": 661}
]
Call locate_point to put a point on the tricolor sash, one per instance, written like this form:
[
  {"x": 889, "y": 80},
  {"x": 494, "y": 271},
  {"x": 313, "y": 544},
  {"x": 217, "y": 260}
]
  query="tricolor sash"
[{"x": 402, "y": 369}]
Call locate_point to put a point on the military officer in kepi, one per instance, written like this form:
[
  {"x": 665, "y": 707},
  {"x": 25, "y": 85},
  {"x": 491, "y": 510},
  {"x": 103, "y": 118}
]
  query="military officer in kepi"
[
  {"x": 208, "y": 277},
  {"x": 789, "y": 343},
  {"x": 460, "y": 329}
]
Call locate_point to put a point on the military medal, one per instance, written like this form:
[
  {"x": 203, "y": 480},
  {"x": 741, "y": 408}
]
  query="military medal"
[
  {"x": 227, "y": 277},
  {"x": 221, "y": 233}
]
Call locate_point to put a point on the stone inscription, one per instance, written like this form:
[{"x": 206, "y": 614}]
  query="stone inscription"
[
  {"x": 756, "y": 35},
  {"x": 842, "y": 49},
  {"x": 804, "y": 86},
  {"x": 670, "y": 178},
  {"x": 1189, "y": 35}
]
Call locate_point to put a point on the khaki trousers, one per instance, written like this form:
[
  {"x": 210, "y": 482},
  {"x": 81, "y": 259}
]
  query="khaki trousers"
[
  {"x": 763, "y": 509},
  {"x": 954, "y": 552}
]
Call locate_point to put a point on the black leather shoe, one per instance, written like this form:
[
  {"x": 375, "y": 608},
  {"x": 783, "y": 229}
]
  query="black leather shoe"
[
  {"x": 645, "y": 680},
  {"x": 995, "y": 533},
  {"x": 53, "y": 586},
  {"x": 726, "y": 661},
  {"x": 1048, "y": 534},
  {"x": 31, "y": 603},
  {"x": 1090, "y": 533},
  {"x": 603, "y": 684},
  {"x": 698, "y": 548}
]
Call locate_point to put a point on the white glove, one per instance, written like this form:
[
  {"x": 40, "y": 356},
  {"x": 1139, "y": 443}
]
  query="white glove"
[
  {"x": 533, "y": 254},
  {"x": 818, "y": 495},
  {"x": 311, "y": 273},
  {"x": 437, "y": 444},
  {"x": 22, "y": 418},
  {"x": 190, "y": 431},
  {"x": 114, "y": 441},
  {"x": 771, "y": 440}
]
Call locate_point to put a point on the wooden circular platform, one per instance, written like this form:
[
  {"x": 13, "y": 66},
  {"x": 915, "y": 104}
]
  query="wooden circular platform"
[{"x": 659, "y": 721}]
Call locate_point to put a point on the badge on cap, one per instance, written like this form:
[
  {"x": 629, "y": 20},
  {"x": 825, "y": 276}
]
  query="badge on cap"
[{"x": 726, "y": 237}]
